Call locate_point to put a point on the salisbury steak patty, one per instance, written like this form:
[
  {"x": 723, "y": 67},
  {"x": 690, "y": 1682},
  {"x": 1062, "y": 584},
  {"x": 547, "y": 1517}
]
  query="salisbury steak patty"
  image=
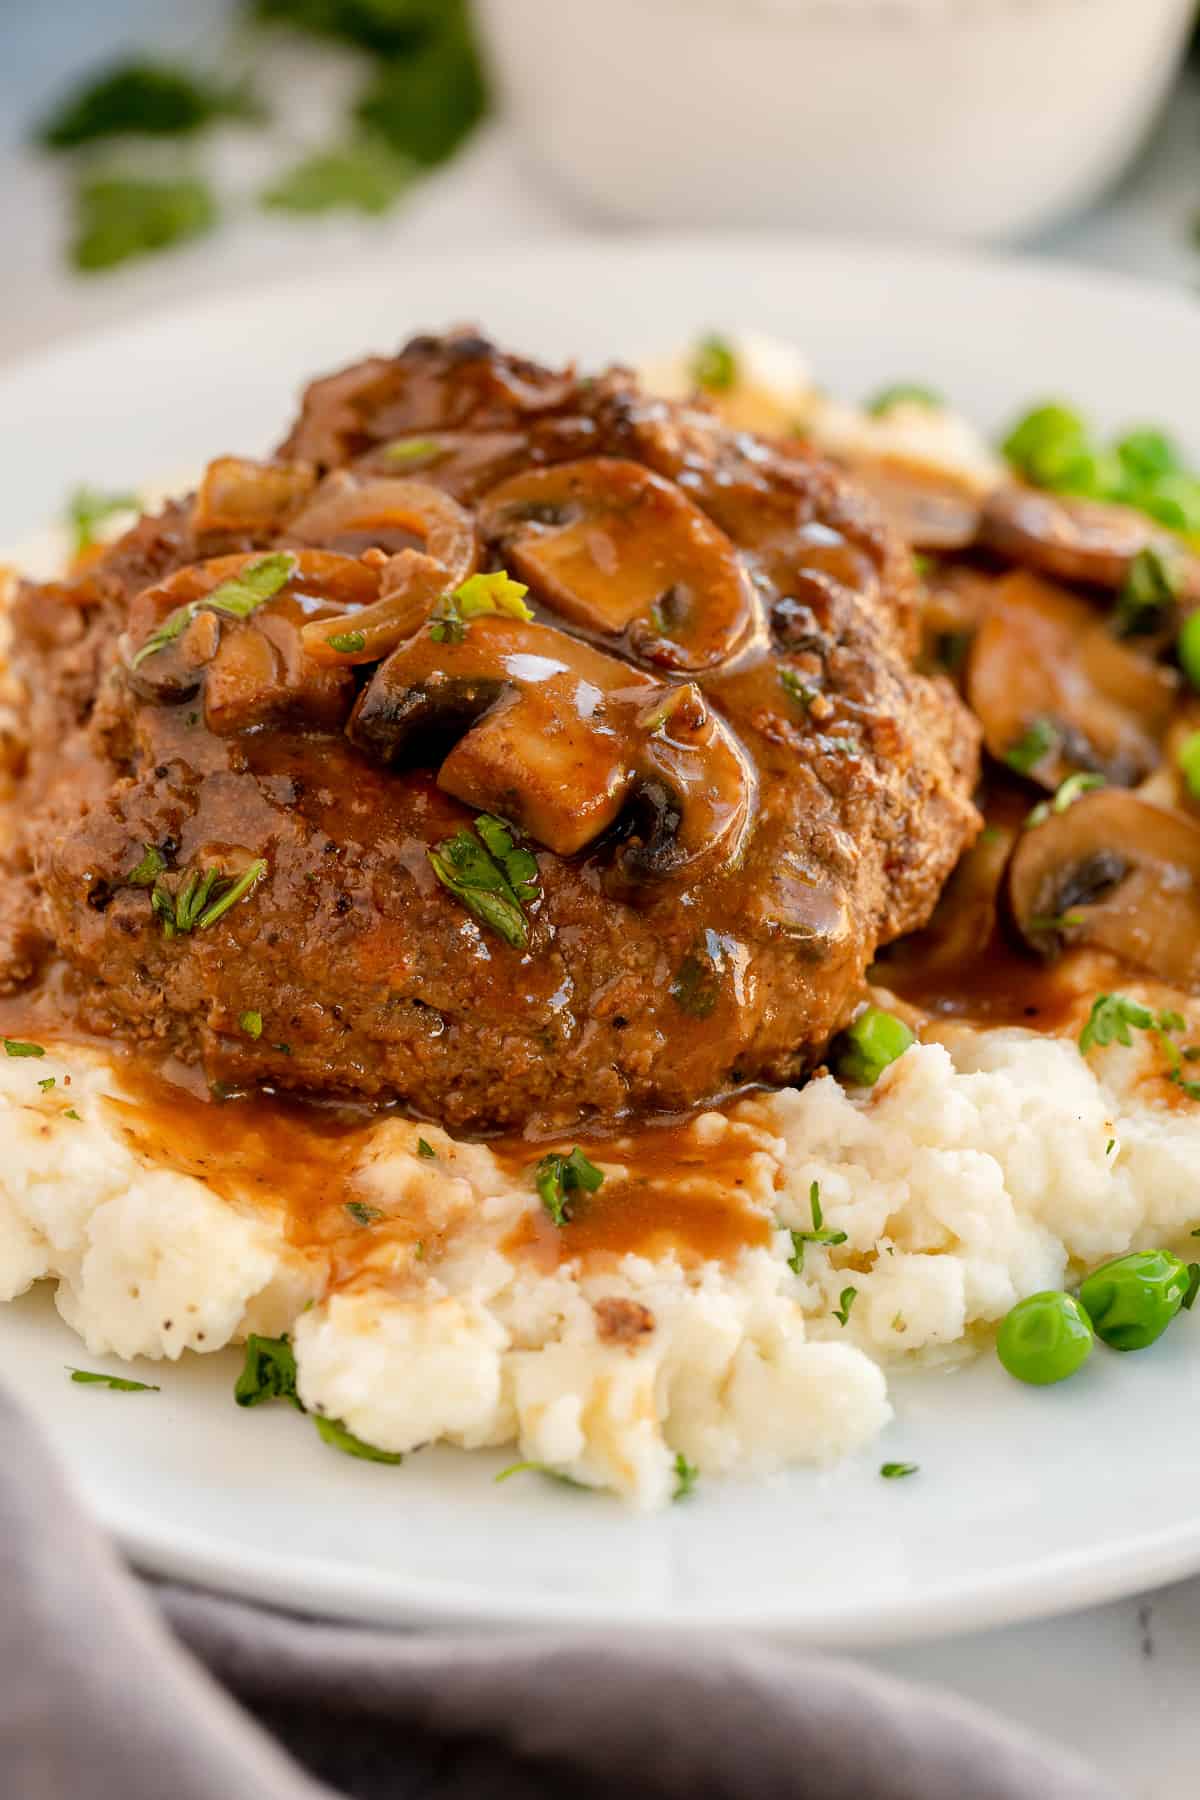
[{"x": 722, "y": 783}]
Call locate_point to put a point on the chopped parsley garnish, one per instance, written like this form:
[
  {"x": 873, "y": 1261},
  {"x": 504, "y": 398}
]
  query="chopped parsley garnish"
[
  {"x": 1056, "y": 921},
  {"x": 697, "y": 985},
  {"x": 714, "y": 364},
  {"x": 1031, "y": 747},
  {"x": 347, "y": 642},
  {"x": 796, "y": 688},
  {"x": 686, "y": 1477},
  {"x": 365, "y": 176},
  {"x": 537, "y": 1468},
  {"x": 236, "y": 598},
  {"x": 46, "y": 1083},
  {"x": 492, "y": 877},
  {"x": 334, "y": 1433},
  {"x": 557, "y": 1177},
  {"x": 88, "y": 508},
  {"x": 425, "y": 102},
  {"x": 846, "y": 1299},
  {"x": 72, "y": 1114},
  {"x": 202, "y": 899},
  {"x": 1110, "y": 1146},
  {"x": 904, "y": 393},
  {"x": 121, "y": 216},
  {"x": 897, "y": 1471},
  {"x": 1066, "y": 794},
  {"x": 1187, "y": 756},
  {"x": 361, "y": 1213},
  {"x": 476, "y": 597},
  {"x": 269, "y": 1373},
  {"x": 16, "y": 1047},
  {"x": 413, "y": 450},
  {"x": 251, "y": 1023},
  {"x": 147, "y": 872},
  {"x": 424, "y": 1149},
  {"x": 120, "y": 1384},
  {"x": 1148, "y": 593},
  {"x": 149, "y": 98},
  {"x": 819, "y": 1234},
  {"x": 1111, "y": 1018}
]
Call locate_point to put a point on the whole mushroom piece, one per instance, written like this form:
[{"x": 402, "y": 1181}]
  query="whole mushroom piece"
[
  {"x": 1114, "y": 872},
  {"x": 1088, "y": 541},
  {"x": 559, "y": 738},
  {"x": 1056, "y": 693}
]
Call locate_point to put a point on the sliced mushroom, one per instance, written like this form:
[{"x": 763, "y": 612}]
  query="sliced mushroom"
[
  {"x": 252, "y": 668},
  {"x": 239, "y": 495},
  {"x": 1114, "y": 872},
  {"x": 627, "y": 557},
  {"x": 1043, "y": 663},
  {"x": 931, "y": 508},
  {"x": 1079, "y": 540},
  {"x": 350, "y": 514},
  {"x": 558, "y": 737}
]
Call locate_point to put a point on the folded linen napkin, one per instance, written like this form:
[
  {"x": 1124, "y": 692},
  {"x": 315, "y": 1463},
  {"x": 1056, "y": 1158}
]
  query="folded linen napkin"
[{"x": 111, "y": 1689}]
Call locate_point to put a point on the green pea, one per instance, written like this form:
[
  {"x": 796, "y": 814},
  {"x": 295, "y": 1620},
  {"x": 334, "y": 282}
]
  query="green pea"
[
  {"x": 1187, "y": 648},
  {"x": 875, "y": 1039},
  {"x": 1188, "y": 758},
  {"x": 1133, "y": 1299},
  {"x": 1045, "y": 1338}
]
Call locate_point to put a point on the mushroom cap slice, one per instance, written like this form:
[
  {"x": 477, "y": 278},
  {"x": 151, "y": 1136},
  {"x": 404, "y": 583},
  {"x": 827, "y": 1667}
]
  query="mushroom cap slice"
[
  {"x": 352, "y": 514},
  {"x": 554, "y": 735},
  {"x": 1118, "y": 874},
  {"x": 625, "y": 556},
  {"x": 931, "y": 508},
  {"x": 1088, "y": 541},
  {"x": 1042, "y": 655}
]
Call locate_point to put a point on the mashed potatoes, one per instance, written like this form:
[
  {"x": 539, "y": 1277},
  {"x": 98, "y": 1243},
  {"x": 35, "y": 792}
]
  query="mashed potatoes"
[{"x": 977, "y": 1171}]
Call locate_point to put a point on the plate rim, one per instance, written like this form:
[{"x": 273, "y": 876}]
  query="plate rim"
[{"x": 1057, "y": 1583}]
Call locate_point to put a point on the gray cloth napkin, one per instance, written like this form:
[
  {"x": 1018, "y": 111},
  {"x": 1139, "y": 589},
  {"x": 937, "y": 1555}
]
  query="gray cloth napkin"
[{"x": 114, "y": 1690}]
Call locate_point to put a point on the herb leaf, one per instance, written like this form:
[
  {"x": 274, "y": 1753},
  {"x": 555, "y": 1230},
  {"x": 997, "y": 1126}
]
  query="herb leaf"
[
  {"x": 122, "y": 216},
  {"x": 269, "y": 1373},
  {"x": 714, "y": 364},
  {"x": 1066, "y": 794},
  {"x": 17, "y": 1047},
  {"x": 474, "y": 598},
  {"x": 404, "y": 451},
  {"x": 818, "y": 1235},
  {"x": 493, "y": 879},
  {"x": 1110, "y": 1019},
  {"x": 846, "y": 1299},
  {"x": 88, "y": 508},
  {"x": 361, "y": 1213},
  {"x": 149, "y": 98},
  {"x": 147, "y": 872},
  {"x": 252, "y": 1024},
  {"x": 796, "y": 688},
  {"x": 897, "y": 1471},
  {"x": 686, "y": 1477},
  {"x": 236, "y": 598},
  {"x": 537, "y": 1468},
  {"x": 557, "y": 1177},
  {"x": 424, "y": 1149},
  {"x": 202, "y": 899},
  {"x": 119, "y": 1383},
  {"x": 367, "y": 176},
  {"x": 334, "y": 1433},
  {"x": 1149, "y": 592},
  {"x": 426, "y": 101},
  {"x": 1031, "y": 747}
]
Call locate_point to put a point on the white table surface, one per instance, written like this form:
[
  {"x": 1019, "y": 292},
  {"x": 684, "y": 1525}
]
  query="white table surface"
[{"x": 1117, "y": 1683}]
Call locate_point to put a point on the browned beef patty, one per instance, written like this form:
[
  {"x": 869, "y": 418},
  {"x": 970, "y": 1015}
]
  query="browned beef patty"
[{"x": 645, "y": 981}]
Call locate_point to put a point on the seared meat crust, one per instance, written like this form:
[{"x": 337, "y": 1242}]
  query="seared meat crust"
[{"x": 371, "y": 979}]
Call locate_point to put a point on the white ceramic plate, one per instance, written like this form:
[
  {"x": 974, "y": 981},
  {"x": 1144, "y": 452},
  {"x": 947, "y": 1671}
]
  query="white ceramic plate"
[{"x": 1026, "y": 1502}]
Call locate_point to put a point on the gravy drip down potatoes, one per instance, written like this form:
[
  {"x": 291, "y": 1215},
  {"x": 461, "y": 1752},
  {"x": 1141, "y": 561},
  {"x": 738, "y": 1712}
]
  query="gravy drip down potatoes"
[{"x": 666, "y": 665}]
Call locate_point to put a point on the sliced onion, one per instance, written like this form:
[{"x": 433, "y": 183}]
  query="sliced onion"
[
  {"x": 411, "y": 585},
  {"x": 239, "y": 495}
]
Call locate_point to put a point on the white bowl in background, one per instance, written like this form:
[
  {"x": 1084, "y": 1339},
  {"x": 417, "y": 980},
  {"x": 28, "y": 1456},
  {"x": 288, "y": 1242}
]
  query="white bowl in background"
[{"x": 949, "y": 118}]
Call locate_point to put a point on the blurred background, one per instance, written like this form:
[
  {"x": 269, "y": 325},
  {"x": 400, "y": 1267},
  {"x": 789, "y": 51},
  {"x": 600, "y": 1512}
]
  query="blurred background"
[{"x": 150, "y": 150}]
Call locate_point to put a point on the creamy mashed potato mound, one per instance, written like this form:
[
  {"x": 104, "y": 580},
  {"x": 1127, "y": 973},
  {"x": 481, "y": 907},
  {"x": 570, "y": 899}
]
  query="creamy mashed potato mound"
[{"x": 976, "y": 1171}]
